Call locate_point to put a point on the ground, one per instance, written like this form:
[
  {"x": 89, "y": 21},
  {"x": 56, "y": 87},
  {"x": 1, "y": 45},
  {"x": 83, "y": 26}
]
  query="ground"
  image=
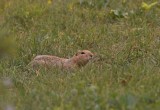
[{"x": 123, "y": 33}]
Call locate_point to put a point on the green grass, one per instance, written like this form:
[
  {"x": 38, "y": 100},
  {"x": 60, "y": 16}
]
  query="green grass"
[{"x": 126, "y": 76}]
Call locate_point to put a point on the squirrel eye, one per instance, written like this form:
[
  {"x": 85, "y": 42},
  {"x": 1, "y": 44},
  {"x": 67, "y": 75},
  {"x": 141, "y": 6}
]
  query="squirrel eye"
[{"x": 82, "y": 53}]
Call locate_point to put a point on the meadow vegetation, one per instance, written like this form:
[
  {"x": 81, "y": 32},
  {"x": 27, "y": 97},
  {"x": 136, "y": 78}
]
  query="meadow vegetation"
[{"x": 125, "y": 34}]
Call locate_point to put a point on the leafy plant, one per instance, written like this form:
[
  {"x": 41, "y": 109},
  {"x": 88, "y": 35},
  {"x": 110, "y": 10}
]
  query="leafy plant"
[
  {"x": 148, "y": 7},
  {"x": 118, "y": 14}
]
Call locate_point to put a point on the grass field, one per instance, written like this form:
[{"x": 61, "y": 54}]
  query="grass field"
[{"x": 124, "y": 34}]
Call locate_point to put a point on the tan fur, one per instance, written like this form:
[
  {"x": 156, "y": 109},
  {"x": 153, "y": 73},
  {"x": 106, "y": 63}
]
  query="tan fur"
[{"x": 81, "y": 58}]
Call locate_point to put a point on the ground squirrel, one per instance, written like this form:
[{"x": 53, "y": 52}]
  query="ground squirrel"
[{"x": 81, "y": 58}]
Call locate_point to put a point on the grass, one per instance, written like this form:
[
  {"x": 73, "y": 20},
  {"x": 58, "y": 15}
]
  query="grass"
[{"x": 126, "y": 76}]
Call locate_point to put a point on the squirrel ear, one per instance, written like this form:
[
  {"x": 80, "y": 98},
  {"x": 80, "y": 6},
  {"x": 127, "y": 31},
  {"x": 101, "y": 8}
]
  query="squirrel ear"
[
  {"x": 76, "y": 54},
  {"x": 79, "y": 51}
]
